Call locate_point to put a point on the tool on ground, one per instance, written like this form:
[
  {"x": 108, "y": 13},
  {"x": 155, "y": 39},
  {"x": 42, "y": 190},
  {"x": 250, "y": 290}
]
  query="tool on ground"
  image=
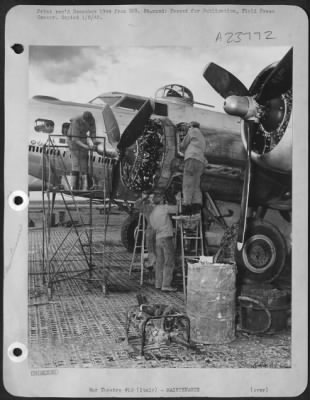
[{"x": 158, "y": 324}]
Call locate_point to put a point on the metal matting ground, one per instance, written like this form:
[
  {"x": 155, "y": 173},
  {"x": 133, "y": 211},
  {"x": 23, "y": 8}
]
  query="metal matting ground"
[{"x": 82, "y": 327}]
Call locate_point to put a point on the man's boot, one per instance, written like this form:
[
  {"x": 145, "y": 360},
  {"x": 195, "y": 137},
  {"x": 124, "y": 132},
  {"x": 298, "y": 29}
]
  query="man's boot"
[{"x": 84, "y": 185}]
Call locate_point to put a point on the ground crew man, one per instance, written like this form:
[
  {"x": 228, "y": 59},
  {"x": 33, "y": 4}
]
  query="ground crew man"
[
  {"x": 165, "y": 253},
  {"x": 79, "y": 144},
  {"x": 145, "y": 205},
  {"x": 194, "y": 148}
]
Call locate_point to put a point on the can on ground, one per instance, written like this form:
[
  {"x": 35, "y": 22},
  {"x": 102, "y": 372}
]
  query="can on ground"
[{"x": 211, "y": 302}]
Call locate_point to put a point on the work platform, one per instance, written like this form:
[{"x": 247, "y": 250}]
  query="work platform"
[{"x": 82, "y": 327}]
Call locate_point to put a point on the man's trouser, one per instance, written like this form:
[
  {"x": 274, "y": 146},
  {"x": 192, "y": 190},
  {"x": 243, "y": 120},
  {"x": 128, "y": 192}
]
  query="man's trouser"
[
  {"x": 151, "y": 245},
  {"x": 79, "y": 160},
  {"x": 193, "y": 170},
  {"x": 164, "y": 262}
]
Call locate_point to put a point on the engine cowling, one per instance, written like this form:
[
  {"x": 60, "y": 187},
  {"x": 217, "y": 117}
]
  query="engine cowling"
[
  {"x": 272, "y": 141},
  {"x": 146, "y": 166}
]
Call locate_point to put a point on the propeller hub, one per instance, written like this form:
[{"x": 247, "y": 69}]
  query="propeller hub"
[{"x": 242, "y": 106}]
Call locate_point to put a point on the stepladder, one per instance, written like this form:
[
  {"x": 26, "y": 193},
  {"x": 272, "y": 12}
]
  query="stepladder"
[
  {"x": 139, "y": 251},
  {"x": 190, "y": 242}
]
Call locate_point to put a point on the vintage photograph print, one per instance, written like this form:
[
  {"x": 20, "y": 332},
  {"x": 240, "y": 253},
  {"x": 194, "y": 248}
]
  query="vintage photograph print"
[{"x": 154, "y": 231}]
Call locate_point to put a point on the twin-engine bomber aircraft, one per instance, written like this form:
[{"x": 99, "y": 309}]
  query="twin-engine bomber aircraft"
[{"x": 249, "y": 151}]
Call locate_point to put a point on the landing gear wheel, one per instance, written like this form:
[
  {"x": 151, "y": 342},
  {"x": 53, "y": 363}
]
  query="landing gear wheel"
[
  {"x": 263, "y": 255},
  {"x": 128, "y": 231}
]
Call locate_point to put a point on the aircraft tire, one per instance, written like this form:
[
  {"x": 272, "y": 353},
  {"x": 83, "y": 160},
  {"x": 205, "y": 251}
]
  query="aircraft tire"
[
  {"x": 263, "y": 255},
  {"x": 128, "y": 232}
]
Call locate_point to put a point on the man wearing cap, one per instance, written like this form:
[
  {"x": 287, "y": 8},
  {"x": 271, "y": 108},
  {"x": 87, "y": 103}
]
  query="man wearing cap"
[
  {"x": 79, "y": 144},
  {"x": 194, "y": 148},
  {"x": 165, "y": 254}
]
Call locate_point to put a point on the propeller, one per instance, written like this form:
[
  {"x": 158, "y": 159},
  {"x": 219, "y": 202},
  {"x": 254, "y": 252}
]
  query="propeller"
[
  {"x": 223, "y": 82},
  {"x": 250, "y": 127},
  {"x": 241, "y": 102},
  {"x": 279, "y": 80}
]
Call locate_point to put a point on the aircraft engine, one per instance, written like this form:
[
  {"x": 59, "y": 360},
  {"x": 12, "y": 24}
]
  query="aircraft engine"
[
  {"x": 145, "y": 166},
  {"x": 272, "y": 140}
]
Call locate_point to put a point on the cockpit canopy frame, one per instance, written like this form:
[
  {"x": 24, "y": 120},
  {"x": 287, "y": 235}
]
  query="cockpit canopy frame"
[{"x": 175, "y": 91}]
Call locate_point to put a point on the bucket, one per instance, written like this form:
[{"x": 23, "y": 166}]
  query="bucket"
[
  {"x": 268, "y": 312},
  {"x": 211, "y": 302}
]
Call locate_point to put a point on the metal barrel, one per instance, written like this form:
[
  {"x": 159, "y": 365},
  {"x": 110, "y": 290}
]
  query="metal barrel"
[{"x": 211, "y": 302}]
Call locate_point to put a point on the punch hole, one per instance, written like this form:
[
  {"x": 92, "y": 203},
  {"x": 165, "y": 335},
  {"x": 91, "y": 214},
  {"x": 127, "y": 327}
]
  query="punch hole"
[
  {"x": 17, "y": 352},
  {"x": 18, "y": 200},
  {"x": 17, "y": 48}
]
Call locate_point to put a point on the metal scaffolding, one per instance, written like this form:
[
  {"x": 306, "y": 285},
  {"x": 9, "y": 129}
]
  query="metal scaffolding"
[{"x": 71, "y": 256}]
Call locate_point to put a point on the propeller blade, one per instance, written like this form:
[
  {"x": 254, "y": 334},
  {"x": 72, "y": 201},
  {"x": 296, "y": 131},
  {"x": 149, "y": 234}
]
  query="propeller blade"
[
  {"x": 136, "y": 125},
  {"x": 279, "y": 80},
  {"x": 223, "y": 82},
  {"x": 250, "y": 127},
  {"x": 111, "y": 126}
]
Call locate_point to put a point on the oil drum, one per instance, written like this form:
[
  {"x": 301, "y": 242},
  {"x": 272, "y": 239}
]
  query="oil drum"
[{"x": 211, "y": 302}]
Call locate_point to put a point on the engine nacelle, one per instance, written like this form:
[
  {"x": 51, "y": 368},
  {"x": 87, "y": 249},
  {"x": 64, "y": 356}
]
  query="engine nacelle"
[
  {"x": 146, "y": 166},
  {"x": 272, "y": 141}
]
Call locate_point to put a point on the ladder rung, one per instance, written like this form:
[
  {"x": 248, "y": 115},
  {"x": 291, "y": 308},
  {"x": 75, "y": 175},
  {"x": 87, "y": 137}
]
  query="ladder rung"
[
  {"x": 191, "y": 237},
  {"x": 192, "y": 257}
]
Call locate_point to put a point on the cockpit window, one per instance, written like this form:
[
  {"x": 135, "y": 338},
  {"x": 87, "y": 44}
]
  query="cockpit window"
[
  {"x": 175, "y": 91},
  {"x": 110, "y": 100},
  {"x": 44, "y": 125},
  {"x": 131, "y": 103}
]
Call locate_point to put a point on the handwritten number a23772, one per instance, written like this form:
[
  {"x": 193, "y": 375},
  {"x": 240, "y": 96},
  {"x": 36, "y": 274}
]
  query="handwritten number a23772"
[{"x": 237, "y": 37}]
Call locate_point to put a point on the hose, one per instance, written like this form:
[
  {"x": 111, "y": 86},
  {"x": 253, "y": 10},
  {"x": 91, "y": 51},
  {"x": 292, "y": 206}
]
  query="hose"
[{"x": 264, "y": 308}]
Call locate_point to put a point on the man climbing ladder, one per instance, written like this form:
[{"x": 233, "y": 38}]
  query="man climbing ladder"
[{"x": 194, "y": 148}]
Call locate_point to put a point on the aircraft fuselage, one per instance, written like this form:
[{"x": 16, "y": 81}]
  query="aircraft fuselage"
[{"x": 226, "y": 155}]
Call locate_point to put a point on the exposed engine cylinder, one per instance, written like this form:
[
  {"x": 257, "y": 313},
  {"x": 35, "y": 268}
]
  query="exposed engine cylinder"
[
  {"x": 273, "y": 124},
  {"x": 275, "y": 116},
  {"x": 147, "y": 165},
  {"x": 141, "y": 166}
]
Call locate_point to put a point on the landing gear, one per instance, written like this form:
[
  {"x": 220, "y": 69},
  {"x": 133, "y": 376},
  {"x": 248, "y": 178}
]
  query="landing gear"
[{"x": 263, "y": 255}]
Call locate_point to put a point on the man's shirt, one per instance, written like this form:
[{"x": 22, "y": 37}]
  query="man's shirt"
[
  {"x": 194, "y": 145},
  {"x": 161, "y": 221},
  {"x": 78, "y": 132}
]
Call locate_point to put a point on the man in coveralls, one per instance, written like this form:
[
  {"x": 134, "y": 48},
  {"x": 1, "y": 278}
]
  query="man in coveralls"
[
  {"x": 194, "y": 148},
  {"x": 165, "y": 253},
  {"x": 79, "y": 144}
]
